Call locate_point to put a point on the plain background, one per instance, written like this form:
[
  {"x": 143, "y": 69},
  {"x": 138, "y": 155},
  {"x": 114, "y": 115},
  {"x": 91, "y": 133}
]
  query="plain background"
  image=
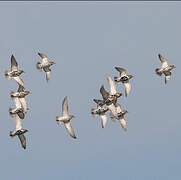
[{"x": 87, "y": 40}]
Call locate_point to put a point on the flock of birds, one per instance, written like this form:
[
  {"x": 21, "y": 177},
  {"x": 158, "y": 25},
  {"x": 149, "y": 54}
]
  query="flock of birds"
[{"x": 108, "y": 102}]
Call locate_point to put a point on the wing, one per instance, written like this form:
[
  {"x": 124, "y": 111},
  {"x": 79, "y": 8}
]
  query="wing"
[
  {"x": 163, "y": 60},
  {"x": 16, "y": 102},
  {"x": 48, "y": 73},
  {"x": 122, "y": 71},
  {"x": 118, "y": 108},
  {"x": 99, "y": 102},
  {"x": 70, "y": 129},
  {"x": 19, "y": 81},
  {"x": 18, "y": 122},
  {"x": 112, "y": 108},
  {"x": 123, "y": 124},
  {"x": 14, "y": 64},
  {"x": 104, "y": 93},
  {"x": 23, "y": 104},
  {"x": 48, "y": 76},
  {"x": 65, "y": 107},
  {"x": 127, "y": 86},
  {"x": 112, "y": 86},
  {"x": 22, "y": 139},
  {"x": 167, "y": 78},
  {"x": 44, "y": 58},
  {"x": 21, "y": 88},
  {"x": 113, "y": 118},
  {"x": 103, "y": 120}
]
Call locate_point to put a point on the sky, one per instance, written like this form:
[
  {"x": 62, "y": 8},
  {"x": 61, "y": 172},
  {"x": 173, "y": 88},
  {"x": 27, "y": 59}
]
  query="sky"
[{"x": 87, "y": 40}]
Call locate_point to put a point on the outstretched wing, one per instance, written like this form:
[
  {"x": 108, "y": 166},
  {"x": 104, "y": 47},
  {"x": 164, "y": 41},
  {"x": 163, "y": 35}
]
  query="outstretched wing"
[
  {"x": 123, "y": 124},
  {"x": 18, "y": 122},
  {"x": 122, "y": 71},
  {"x": 44, "y": 58},
  {"x": 127, "y": 86},
  {"x": 70, "y": 129},
  {"x": 118, "y": 108},
  {"x": 14, "y": 64},
  {"x": 16, "y": 102},
  {"x": 65, "y": 107},
  {"x": 24, "y": 104},
  {"x": 104, "y": 93},
  {"x": 22, "y": 139},
  {"x": 19, "y": 81},
  {"x": 112, "y": 86},
  {"x": 103, "y": 120},
  {"x": 112, "y": 108},
  {"x": 163, "y": 60},
  {"x": 48, "y": 72}
]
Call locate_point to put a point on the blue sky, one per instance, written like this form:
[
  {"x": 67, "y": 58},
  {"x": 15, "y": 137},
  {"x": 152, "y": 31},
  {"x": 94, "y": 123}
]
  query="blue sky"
[{"x": 87, "y": 40}]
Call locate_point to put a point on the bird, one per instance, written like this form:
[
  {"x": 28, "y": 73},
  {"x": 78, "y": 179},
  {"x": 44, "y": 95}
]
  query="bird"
[
  {"x": 120, "y": 116},
  {"x": 18, "y": 107},
  {"x": 19, "y": 131},
  {"x": 14, "y": 72},
  {"x": 165, "y": 68},
  {"x": 100, "y": 110},
  {"x": 20, "y": 94},
  {"x": 124, "y": 78},
  {"x": 110, "y": 98},
  {"x": 45, "y": 65},
  {"x": 65, "y": 118}
]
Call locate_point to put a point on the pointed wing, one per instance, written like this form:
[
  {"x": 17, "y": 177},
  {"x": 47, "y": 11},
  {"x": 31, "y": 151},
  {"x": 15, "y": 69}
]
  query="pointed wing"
[
  {"x": 21, "y": 88},
  {"x": 103, "y": 120},
  {"x": 122, "y": 71},
  {"x": 48, "y": 76},
  {"x": 19, "y": 81},
  {"x": 23, "y": 104},
  {"x": 65, "y": 107},
  {"x": 112, "y": 108},
  {"x": 70, "y": 129},
  {"x": 44, "y": 58},
  {"x": 18, "y": 122},
  {"x": 22, "y": 139},
  {"x": 14, "y": 64},
  {"x": 104, "y": 93},
  {"x": 48, "y": 72},
  {"x": 112, "y": 86},
  {"x": 99, "y": 102},
  {"x": 123, "y": 124},
  {"x": 118, "y": 108},
  {"x": 163, "y": 60},
  {"x": 127, "y": 86},
  {"x": 113, "y": 118},
  {"x": 167, "y": 78},
  {"x": 16, "y": 102}
]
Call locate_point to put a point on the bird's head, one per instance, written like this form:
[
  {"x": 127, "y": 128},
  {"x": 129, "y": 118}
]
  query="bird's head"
[
  {"x": 21, "y": 71},
  {"x": 130, "y": 76},
  {"x": 172, "y": 66},
  {"x": 27, "y": 92},
  {"x": 51, "y": 62},
  {"x": 125, "y": 111}
]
